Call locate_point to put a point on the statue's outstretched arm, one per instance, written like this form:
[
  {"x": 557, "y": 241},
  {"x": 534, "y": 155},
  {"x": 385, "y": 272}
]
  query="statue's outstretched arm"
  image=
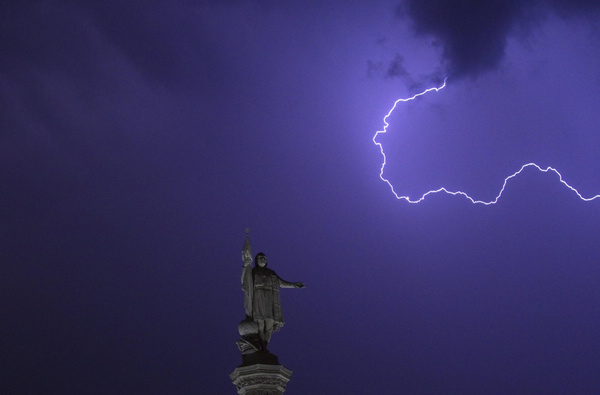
[{"x": 287, "y": 284}]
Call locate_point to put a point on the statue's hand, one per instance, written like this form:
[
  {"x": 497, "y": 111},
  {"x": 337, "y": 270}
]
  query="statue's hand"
[
  {"x": 299, "y": 285},
  {"x": 246, "y": 258}
]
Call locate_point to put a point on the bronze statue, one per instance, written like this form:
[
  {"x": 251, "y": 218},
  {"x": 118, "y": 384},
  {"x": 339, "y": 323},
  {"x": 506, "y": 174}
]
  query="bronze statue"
[{"x": 261, "y": 301}]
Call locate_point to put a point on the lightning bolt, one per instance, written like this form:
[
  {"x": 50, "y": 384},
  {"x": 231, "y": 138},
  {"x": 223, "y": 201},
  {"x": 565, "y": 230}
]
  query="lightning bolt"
[{"x": 460, "y": 193}]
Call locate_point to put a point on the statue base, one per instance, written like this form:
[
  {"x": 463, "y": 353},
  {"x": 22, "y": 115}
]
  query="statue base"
[
  {"x": 264, "y": 358},
  {"x": 260, "y": 375}
]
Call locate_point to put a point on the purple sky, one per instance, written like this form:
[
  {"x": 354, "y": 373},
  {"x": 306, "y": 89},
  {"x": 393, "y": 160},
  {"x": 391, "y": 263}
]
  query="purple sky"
[{"x": 138, "y": 140}]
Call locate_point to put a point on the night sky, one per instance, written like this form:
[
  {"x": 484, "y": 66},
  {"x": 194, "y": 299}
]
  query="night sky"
[{"x": 139, "y": 139}]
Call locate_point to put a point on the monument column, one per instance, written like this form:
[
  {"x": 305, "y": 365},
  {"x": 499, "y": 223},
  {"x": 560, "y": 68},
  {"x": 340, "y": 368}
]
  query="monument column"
[{"x": 260, "y": 372}]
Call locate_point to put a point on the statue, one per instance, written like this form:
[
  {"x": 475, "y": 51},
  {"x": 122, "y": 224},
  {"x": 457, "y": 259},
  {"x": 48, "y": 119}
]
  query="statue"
[{"x": 261, "y": 301}]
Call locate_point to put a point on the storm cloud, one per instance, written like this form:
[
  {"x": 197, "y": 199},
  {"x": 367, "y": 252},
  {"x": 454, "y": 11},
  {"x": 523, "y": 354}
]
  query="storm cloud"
[{"x": 473, "y": 34}]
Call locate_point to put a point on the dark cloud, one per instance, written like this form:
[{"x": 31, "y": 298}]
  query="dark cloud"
[
  {"x": 396, "y": 68},
  {"x": 473, "y": 33}
]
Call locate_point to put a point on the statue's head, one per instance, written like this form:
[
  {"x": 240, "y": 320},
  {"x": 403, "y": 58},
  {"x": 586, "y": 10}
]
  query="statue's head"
[{"x": 260, "y": 260}]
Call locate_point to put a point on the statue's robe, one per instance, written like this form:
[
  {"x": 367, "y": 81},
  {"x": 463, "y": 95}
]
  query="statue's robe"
[{"x": 266, "y": 303}]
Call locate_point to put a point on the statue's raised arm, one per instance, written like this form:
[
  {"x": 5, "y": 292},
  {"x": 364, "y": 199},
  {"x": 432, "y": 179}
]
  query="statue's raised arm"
[{"x": 247, "y": 283}]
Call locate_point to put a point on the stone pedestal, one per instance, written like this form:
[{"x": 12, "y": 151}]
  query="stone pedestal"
[{"x": 260, "y": 379}]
